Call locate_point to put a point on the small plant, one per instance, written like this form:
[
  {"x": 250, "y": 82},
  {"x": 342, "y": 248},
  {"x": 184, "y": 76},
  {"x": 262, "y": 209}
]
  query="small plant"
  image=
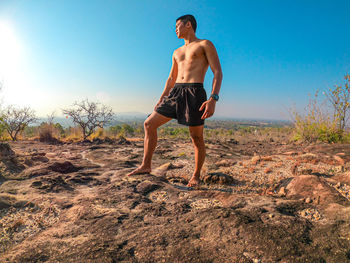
[
  {"x": 46, "y": 131},
  {"x": 99, "y": 133},
  {"x": 339, "y": 97},
  {"x": 127, "y": 130},
  {"x": 317, "y": 124}
]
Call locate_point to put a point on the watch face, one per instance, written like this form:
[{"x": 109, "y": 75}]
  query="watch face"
[{"x": 215, "y": 96}]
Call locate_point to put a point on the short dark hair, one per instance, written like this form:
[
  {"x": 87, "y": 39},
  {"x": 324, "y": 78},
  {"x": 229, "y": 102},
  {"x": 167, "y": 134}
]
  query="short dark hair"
[{"x": 187, "y": 18}]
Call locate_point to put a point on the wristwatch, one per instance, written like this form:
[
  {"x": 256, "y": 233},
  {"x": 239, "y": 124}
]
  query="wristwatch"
[{"x": 214, "y": 96}]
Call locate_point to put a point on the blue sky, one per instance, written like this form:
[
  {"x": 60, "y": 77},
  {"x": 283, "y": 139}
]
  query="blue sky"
[{"x": 273, "y": 53}]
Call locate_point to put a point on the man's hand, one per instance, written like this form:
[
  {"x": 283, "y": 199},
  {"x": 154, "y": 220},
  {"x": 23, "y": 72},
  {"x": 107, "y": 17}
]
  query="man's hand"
[{"x": 209, "y": 108}]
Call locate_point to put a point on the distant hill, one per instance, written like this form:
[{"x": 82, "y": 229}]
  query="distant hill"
[
  {"x": 120, "y": 118},
  {"x": 140, "y": 117}
]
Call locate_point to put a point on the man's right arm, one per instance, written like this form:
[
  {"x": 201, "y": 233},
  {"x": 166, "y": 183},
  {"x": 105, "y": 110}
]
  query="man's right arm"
[{"x": 171, "y": 79}]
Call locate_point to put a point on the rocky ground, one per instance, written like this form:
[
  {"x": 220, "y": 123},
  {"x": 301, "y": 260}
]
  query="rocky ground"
[{"x": 260, "y": 201}]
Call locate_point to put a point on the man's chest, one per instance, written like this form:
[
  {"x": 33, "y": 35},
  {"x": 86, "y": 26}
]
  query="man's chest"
[{"x": 189, "y": 54}]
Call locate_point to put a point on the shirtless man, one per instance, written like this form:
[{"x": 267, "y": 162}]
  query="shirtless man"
[{"x": 184, "y": 97}]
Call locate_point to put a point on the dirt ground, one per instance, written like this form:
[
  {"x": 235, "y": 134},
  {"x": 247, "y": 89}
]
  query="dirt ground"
[{"x": 259, "y": 201}]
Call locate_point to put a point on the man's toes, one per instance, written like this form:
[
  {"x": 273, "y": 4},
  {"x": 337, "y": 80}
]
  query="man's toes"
[{"x": 139, "y": 171}]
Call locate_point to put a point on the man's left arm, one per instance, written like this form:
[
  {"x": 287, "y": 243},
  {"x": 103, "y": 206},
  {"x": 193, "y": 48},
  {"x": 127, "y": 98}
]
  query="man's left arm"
[{"x": 214, "y": 63}]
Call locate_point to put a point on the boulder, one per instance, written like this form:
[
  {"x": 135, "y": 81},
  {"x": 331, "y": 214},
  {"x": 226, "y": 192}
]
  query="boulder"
[
  {"x": 146, "y": 187},
  {"x": 6, "y": 151},
  {"x": 314, "y": 187},
  {"x": 63, "y": 167},
  {"x": 218, "y": 178},
  {"x": 342, "y": 178}
]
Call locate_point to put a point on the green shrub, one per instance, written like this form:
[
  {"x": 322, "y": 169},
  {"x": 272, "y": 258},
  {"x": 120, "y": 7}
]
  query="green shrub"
[{"x": 316, "y": 124}]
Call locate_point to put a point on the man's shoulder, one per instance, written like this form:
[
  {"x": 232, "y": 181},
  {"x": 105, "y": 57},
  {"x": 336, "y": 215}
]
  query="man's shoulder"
[
  {"x": 178, "y": 49},
  {"x": 200, "y": 42},
  {"x": 206, "y": 42}
]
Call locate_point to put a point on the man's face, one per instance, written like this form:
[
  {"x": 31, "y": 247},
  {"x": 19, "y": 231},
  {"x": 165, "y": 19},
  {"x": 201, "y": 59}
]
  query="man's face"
[{"x": 180, "y": 28}]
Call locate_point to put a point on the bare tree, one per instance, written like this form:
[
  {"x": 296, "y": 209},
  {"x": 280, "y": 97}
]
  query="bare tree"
[
  {"x": 89, "y": 115},
  {"x": 50, "y": 118},
  {"x": 16, "y": 119},
  {"x": 339, "y": 97}
]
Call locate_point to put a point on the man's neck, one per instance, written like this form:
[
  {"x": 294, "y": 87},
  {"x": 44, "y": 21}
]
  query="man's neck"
[{"x": 189, "y": 39}]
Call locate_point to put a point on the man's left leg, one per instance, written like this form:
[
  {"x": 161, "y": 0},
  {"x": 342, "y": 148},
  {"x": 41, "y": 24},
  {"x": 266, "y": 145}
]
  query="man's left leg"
[{"x": 197, "y": 137}]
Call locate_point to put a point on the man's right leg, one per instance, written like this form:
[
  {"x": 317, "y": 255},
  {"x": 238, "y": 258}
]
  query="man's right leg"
[{"x": 150, "y": 142}]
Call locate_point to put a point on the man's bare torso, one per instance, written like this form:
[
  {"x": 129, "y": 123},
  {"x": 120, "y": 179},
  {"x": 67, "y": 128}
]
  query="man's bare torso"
[{"x": 192, "y": 62}]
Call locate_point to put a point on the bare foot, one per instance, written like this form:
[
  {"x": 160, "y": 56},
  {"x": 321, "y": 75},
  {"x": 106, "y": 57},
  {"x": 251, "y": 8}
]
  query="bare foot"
[
  {"x": 194, "y": 181},
  {"x": 140, "y": 170}
]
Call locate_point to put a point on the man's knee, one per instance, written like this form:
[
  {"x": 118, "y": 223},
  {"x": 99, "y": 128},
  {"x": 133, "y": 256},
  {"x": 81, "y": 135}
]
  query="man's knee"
[
  {"x": 149, "y": 125},
  {"x": 196, "y": 138}
]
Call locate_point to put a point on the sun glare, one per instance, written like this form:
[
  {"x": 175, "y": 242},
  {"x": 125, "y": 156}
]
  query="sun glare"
[
  {"x": 10, "y": 51},
  {"x": 11, "y": 68}
]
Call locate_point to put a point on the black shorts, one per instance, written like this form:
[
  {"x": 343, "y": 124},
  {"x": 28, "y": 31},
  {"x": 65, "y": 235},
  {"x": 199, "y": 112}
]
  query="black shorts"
[{"x": 183, "y": 103}]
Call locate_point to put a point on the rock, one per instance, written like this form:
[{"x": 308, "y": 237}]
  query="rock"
[
  {"x": 161, "y": 170},
  {"x": 282, "y": 191},
  {"x": 294, "y": 168},
  {"x": 306, "y": 171},
  {"x": 308, "y": 200},
  {"x": 290, "y": 153},
  {"x": 97, "y": 141},
  {"x": 108, "y": 140},
  {"x": 82, "y": 179},
  {"x": 309, "y": 158},
  {"x": 340, "y": 154},
  {"x": 255, "y": 159},
  {"x": 340, "y": 168},
  {"x": 342, "y": 178},
  {"x": 337, "y": 212},
  {"x": 122, "y": 141},
  {"x": 35, "y": 171},
  {"x": 4, "y": 203},
  {"x": 339, "y": 160},
  {"x": 51, "y": 155},
  {"x": 266, "y": 158},
  {"x": 76, "y": 220},
  {"x": 146, "y": 187},
  {"x": 251, "y": 170},
  {"x": 6, "y": 151},
  {"x": 312, "y": 186},
  {"x": 63, "y": 167},
  {"x": 268, "y": 170},
  {"x": 218, "y": 178},
  {"x": 52, "y": 184},
  {"x": 28, "y": 162},
  {"x": 40, "y": 158},
  {"x": 311, "y": 214},
  {"x": 205, "y": 203},
  {"x": 225, "y": 163},
  {"x": 7, "y": 201},
  {"x": 50, "y": 140},
  {"x": 233, "y": 141}
]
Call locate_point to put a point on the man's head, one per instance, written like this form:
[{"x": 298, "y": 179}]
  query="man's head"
[{"x": 186, "y": 22}]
